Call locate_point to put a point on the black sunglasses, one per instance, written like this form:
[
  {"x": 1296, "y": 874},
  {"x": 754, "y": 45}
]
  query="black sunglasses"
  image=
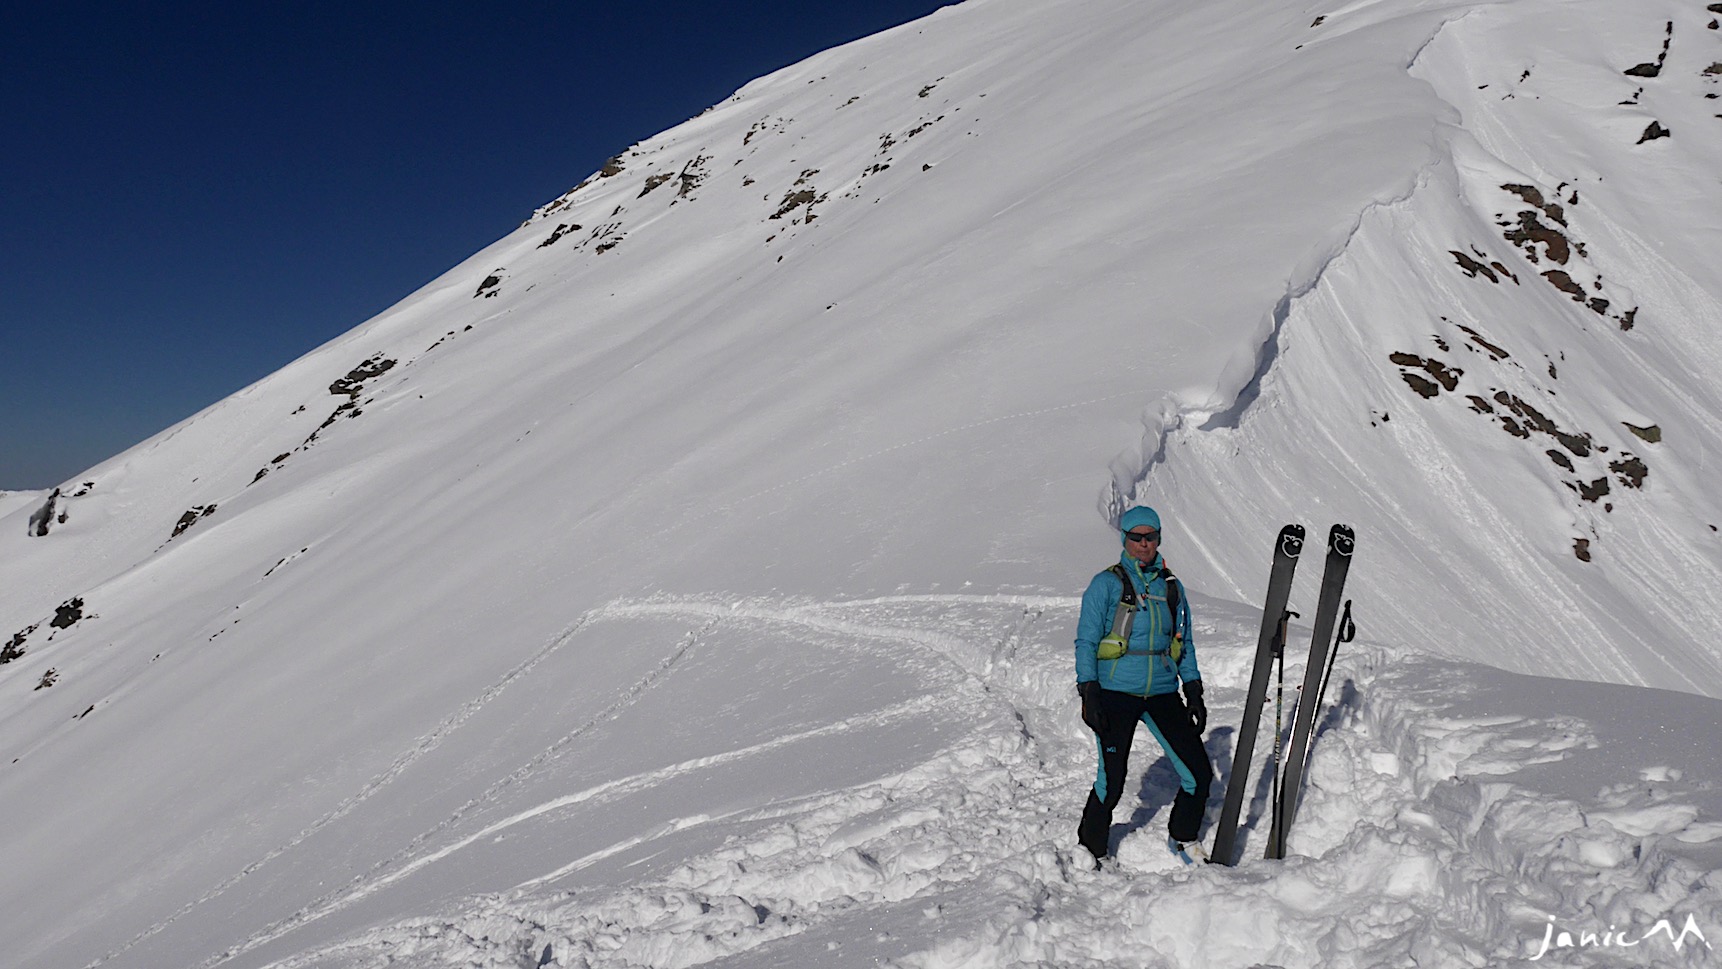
[{"x": 1151, "y": 535}]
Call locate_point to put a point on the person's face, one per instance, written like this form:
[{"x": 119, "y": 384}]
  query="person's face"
[{"x": 1142, "y": 543}]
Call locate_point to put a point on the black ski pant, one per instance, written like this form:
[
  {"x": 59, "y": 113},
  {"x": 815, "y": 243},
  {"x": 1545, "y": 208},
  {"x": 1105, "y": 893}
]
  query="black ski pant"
[{"x": 1170, "y": 724}]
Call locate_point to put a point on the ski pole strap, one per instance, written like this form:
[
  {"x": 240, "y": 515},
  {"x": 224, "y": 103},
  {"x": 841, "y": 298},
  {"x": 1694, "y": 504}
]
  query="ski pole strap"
[{"x": 1347, "y": 629}]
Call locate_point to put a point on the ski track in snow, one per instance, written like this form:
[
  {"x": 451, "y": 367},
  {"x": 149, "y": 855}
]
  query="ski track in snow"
[
  {"x": 1410, "y": 818},
  {"x": 367, "y": 883},
  {"x": 610, "y": 790},
  {"x": 835, "y": 809},
  {"x": 712, "y": 611},
  {"x": 429, "y": 742}
]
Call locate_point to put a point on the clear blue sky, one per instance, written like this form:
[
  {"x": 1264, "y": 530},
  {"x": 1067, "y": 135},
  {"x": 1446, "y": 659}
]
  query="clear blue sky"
[{"x": 194, "y": 194}]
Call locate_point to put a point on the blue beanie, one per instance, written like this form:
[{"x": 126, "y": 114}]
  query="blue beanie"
[{"x": 1136, "y": 518}]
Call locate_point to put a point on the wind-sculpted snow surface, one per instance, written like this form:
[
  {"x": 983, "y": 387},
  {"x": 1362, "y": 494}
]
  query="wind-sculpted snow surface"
[
  {"x": 1435, "y": 831},
  {"x": 687, "y": 576},
  {"x": 1506, "y": 376}
]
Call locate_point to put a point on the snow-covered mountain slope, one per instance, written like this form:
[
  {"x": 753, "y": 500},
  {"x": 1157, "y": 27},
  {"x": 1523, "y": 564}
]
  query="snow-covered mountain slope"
[
  {"x": 1545, "y": 293},
  {"x": 705, "y": 548}
]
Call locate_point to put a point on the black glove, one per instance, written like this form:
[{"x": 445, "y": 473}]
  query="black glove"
[
  {"x": 1198, "y": 709},
  {"x": 1091, "y": 712}
]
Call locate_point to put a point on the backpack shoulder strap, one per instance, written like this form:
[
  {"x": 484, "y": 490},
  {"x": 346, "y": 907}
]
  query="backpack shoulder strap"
[
  {"x": 1128, "y": 596},
  {"x": 1174, "y": 595}
]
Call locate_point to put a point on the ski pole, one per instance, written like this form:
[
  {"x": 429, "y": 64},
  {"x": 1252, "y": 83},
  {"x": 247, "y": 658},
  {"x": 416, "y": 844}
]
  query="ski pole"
[
  {"x": 1279, "y": 705},
  {"x": 1346, "y": 632}
]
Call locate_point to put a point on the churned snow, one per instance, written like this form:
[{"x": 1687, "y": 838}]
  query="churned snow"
[{"x": 689, "y": 577}]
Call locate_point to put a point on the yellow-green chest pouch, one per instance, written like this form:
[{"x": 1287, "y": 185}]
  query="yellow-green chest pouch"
[{"x": 1116, "y": 644}]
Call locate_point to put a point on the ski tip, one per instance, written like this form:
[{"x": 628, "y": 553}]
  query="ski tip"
[
  {"x": 1342, "y": 540},
  {"x": 1290, "y": 542}
]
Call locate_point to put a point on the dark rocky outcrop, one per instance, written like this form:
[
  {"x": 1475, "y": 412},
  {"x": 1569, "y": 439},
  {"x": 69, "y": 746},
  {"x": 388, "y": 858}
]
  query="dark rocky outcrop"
[
  {"x": 14, "y": 647},
  {"x": 191, "y": 517},
  {"x": 1447, "y": 377},
  {"x": 42, "y": 519},
  {"x": 1650, "y": 435},
  {"x": 1654, "y": 69},
  {"x": 1473, "y": 268}
]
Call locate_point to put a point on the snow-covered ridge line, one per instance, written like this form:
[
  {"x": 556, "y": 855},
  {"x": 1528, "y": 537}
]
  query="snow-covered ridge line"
[{"x": 1232, "y": 415}]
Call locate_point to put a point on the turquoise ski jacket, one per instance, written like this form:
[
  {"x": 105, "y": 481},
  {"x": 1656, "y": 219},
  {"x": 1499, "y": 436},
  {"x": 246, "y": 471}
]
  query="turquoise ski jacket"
[{"x": 1147, "y": 669}]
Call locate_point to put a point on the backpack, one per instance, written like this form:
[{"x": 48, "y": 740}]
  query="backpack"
[{"x": 1117, "y": 643}]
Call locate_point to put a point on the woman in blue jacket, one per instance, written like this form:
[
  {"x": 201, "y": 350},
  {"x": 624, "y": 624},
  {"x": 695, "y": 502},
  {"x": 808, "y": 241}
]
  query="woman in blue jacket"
[{"x": 1133, "y": 651}]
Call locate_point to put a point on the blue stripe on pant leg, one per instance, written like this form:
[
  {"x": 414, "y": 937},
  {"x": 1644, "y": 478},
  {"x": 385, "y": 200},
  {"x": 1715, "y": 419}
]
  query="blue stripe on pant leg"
[
  {"x": 1100, "y": 769},
  {"x": 1187, "y": 779}
]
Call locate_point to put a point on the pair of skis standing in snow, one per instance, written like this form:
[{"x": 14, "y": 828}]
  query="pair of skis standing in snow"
[{"x": 1134, "y": 650}]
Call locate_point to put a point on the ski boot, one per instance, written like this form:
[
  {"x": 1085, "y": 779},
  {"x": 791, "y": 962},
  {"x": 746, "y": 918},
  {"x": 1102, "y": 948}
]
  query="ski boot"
[{"x": 1188, "y": 852}]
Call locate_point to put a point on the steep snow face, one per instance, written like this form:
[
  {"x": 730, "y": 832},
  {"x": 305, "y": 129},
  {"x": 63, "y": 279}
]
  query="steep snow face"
[
  {"x": 921, "y": 289},
  {"x": 1506, "y": 377},
  {"x": 912, "y": 318}
]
